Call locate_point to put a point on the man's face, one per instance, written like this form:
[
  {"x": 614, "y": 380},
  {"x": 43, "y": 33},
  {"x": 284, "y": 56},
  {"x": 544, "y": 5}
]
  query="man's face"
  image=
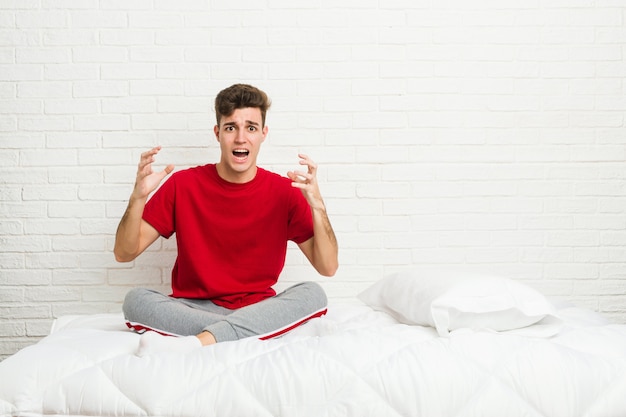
[{"x": 240, "y": 136}]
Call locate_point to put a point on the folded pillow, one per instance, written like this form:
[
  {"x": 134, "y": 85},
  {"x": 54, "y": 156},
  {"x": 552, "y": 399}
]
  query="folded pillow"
[{"x": 450, "y": 300}]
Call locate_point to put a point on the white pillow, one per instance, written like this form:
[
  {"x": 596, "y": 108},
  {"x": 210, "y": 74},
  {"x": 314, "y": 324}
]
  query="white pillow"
[{"x": 449, "y": 300}]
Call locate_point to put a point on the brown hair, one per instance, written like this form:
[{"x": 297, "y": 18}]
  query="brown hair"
[{"x": 240, "y": 96}]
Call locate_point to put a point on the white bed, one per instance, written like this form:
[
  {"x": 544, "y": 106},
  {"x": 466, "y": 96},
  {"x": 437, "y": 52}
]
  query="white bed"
[{"x": 355, "y": 361}]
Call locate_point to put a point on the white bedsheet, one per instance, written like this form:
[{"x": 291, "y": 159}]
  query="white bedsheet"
[{"x": 352, "y": 362}]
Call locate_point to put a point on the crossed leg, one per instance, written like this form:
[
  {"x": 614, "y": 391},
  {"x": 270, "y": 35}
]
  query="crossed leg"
[{"x": 202, "y": 322}]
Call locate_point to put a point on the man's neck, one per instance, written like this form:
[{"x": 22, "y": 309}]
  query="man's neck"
[{"x": 234, "y": 176}]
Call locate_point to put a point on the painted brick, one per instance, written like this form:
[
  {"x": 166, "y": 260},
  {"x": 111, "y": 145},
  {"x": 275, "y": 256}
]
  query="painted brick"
[
  {"x": 126, "y": 37},
  {"x": 22, "y": 72},
  {"x": 25, "y": 311},
  {"x": 12, "y": 329},
  {"x": 123, "y": 5},
  {"x": 18, "y": 210},
  {"x": 69, "y": 37},
  {"x": 75, "y": 276},
  {"x": 99, "y": 54},
  {"x": 100, "y": 89},
  {"x": 127, "y": 71},
  {"x": 42, "y": 56},
  {"x": 42, "y": 19},
  {"x": 38, "y": 328},
  {"x": 71, "y": 106},
  {"x": 102, "y": 123},
  {"x": 52, "y": 294},
  {"x": 98, "y": 19},
  {"x": 51, "y": 227},
  {"x": 23, "y": 276},
  {"x": 72, "y": 72}
]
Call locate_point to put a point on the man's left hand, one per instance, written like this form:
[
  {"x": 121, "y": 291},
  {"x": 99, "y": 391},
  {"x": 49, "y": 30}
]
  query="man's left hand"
[{"x": 307, "y": 182}]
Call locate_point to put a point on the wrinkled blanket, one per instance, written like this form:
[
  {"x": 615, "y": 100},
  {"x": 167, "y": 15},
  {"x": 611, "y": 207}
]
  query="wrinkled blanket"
[{"x": 352, "y": 362}]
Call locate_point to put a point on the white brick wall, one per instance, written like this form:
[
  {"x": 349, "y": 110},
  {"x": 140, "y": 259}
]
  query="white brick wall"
[{"x": 484, "y": 134}]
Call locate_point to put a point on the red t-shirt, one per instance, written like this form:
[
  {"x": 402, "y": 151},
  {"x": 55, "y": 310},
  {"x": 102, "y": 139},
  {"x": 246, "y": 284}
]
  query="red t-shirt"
[{"x": 232, "y": 238}]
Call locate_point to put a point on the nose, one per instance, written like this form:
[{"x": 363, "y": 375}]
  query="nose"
[{"x": 240, "y": 136}]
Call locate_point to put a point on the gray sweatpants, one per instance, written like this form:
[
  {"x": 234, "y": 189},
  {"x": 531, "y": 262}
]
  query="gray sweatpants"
[{"x": 144, "y": 308}]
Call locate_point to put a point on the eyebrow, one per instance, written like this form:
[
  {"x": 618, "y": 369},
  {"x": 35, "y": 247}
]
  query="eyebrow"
[{"x": 248, "y": 122}]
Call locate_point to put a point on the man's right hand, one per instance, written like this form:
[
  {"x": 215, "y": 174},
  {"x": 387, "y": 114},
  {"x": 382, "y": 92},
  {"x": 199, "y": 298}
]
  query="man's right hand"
[
  {"x": 134, "y": 234},
  {"x": 147, "y": 180}
]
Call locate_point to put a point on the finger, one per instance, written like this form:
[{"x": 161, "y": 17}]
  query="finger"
[
  {"x": 145, "y": 161},
  {"x": 148, "y": 157},
  {"x": 304, "y": 159},
  {"x": 298, "y": 185},
  {"x": 168, "y": 169},
  {"x": 300, "y": 176},
  {"x": 151, "y": 152},
  {"x": 312, "y": 166}
]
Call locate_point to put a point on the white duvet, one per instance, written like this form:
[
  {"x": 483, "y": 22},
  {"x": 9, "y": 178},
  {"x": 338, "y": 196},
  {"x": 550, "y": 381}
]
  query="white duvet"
[{"x": 353, "y": 362}]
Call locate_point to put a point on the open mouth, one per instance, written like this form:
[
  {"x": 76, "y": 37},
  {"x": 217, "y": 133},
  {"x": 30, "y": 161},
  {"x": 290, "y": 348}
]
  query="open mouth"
[{"x": 241, "y": 153}]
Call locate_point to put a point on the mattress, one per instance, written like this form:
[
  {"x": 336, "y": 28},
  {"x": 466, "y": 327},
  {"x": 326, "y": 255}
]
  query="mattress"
[{"x": 355, "y": 361}]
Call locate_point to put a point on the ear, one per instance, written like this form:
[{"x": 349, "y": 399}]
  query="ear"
[
  {"x": 216, "y": 130},
  {"x": 265, "y": 130}
]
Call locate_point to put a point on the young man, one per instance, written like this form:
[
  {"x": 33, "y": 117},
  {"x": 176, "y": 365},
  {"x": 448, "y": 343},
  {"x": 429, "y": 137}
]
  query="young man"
[{"x": 232, "y": 222}]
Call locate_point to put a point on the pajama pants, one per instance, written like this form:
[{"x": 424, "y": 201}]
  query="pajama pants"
[{"x": 146, "y": 309}]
